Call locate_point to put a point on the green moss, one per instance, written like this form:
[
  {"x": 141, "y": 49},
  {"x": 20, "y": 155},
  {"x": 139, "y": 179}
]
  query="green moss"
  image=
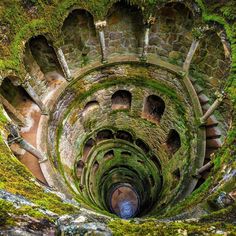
[{"x": 129, "y": 228}]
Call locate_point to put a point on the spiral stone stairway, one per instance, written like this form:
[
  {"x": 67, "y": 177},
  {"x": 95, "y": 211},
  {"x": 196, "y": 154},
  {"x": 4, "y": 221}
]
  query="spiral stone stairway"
[{"x": 127, "y": 115}]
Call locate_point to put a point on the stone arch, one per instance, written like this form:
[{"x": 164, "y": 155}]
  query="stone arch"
[
  {"x": 95, "y": 167},
  {"x": 154, "y": 108},
  {"x": 140, "y": 143},
  {"x": 170, "y": 35},
  {"x": 87, "y": 148},
  {"x": 121, "y": 99},
  {"x": 43, "y": 54},
  {"x": 80, "y": 41},
  {"x": 90, "y": 106},
  {"x": 14, "y": 99},
  {"x": 173, "y": 141},
  {"x": 104, "y": 135},
  {"x": 209, "y": 63},
  {"x": 79, "y": 168},
  {"x": 109, "y": 155},
  {"x": 124, "y": 135},
  {"x": 124, "y": 28}
]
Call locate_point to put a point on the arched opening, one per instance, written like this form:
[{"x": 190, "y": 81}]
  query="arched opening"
[
  {"x": 142, "y": 145},
  {"x": 15, "y": 100},
  {"x": 210, "y": 63},
  {"x": 121, "y": 100},
  {"x": 80, "y": 41},
  {"x": 79, "y": 168},
  {"x": 154, "y": 108},
  {"x": 156, "y": 161},
  {"x": 44, "y": 54},
  {"x": 125, "y": 154},
  {"x": 124, "y": 135},
  {"x": 87, "y": 148},
  {"x": 90, "y": 106},
  {"x": 109, "y": 155},
  {"x": 41, "y": 62},
  {"x": 104, "y": 135},
  {"x": 124, "y": 28},
  {"x": 169, "y": 35},
  {"x": 95, "y": 167},
  {"x": 173, "y": 141}
]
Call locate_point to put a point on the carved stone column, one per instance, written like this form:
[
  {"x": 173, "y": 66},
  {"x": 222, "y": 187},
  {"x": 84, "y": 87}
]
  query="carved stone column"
[
  {"x": 213, "y": 107},
  {"x": 148, "y": 25},
  {"x": 100, "y": 25},
  {"x": 204, "y": 168},
  {"x": 30, "y": 90},
  {"x": 62, "y": 60},
  {"x": 15, "y": 137},
  {"x": 190, "y": 55}
]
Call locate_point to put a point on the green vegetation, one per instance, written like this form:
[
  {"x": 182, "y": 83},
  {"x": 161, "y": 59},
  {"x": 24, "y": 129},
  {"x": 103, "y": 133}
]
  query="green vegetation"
[{"x": 131, "y": 228}]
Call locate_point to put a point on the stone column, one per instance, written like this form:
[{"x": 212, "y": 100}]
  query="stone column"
[
  {"x": 16, "y": 114},
  {"x": 204, "y": 168},
  {"x": 62, "y": 60},
  {"x": 190, "y": 55},
  {"x": 148, "y": 25},
  {"x": 15, "y": 137},
  {"x": 100, "y": 25},
  {"x": 30, "y": 90},
  {"x": 32, "y": 150},
  {"x": 213, "y": 107}
]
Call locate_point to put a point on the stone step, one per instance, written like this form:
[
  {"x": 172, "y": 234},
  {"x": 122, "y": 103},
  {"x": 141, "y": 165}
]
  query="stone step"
[
  {"x": 213, "y": 132},
  {"x": 203, "y": 99},
  {"x": 213, "y": 143},
  {"x": 198, "y": 89},
  {"x": 212, "y": 121},
  {"x": 205, "y": 107}
]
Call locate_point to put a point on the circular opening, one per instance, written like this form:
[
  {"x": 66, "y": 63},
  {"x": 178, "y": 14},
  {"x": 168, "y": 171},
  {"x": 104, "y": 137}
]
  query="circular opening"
[{"x": 124, "y": 201}]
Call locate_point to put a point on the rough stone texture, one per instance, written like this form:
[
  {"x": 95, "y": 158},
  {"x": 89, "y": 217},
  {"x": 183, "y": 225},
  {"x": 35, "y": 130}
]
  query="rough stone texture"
[
  {"x": 81, "y": 44},
  {"x": 124, "y": 31},
  {"x": 170, "y": 36}
]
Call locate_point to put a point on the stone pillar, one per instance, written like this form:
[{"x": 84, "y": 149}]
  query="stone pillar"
[
  {"x": 32, "y": 150},
  {"x": 204, "y": 168},
  {"x": 62, "y": 60},
  {"x": 30, "y": 90},
  {"x": 213, "y": 107},
  {"x": 148, "y": 25},
  {"x": 190, "y": 55},
  {"x": 100, "y": 25},
  {"x": 16, "y": 114},
  {"x": 15, "y": 137}
]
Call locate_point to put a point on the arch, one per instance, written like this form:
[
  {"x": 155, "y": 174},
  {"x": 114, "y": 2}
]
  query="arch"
[
  {"x": 95, "y": 167},
  {"x": 79, "y": 168},
  {"x": 90, "y": 106},
  {"x": 210, "y": 62},
  {"x": 121, "y": 100},
  {"x": 173, "y": 141},
  {"x": 154, "y": 108},
  {"x": 87, "y": 148},
  {"x": 142, "y": 145},
  {"x": 14, "y": 99},
  {"x": 124, "y": 28},
  {"x": 43, "y": 54},
  {"x": 126, "y": 154},
  {"x": 80, "y": 41},
  {"x": 109, "y": 155},
  {"x": 104, "y": 134},
  {"x": 124, "y": 135},
  {"x": 170, "y": 35}
]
